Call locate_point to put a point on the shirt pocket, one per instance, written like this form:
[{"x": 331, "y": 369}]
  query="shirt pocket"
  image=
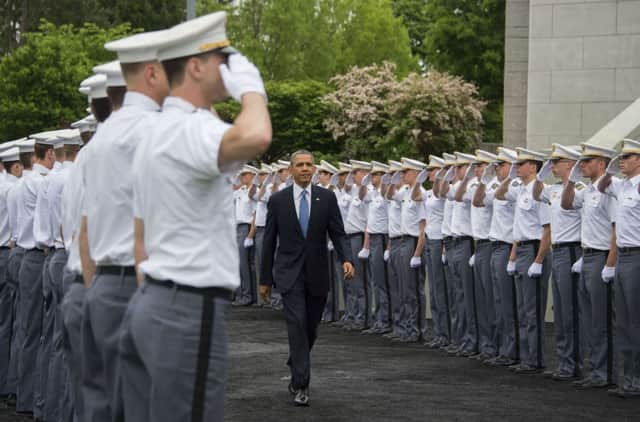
[
  {"x": 631, "y": 199},
  {"x": 525, "y": 202}
]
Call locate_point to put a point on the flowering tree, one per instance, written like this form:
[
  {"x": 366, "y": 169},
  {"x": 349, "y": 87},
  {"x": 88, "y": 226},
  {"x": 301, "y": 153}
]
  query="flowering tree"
[{"x": 378, "y": 116}]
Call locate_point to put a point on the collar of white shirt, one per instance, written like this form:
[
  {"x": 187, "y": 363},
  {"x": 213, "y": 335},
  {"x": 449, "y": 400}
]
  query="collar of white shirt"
[
  {"x": 297, "y": 191},
  {"x": 140, "y": 100},
  {"x": 179, "y": 104},
  {"x": 635, "y": 180},
  {"x": 39, "y": 168}
]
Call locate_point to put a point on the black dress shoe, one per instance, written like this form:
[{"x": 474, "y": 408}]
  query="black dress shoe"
[
  {"x": 302, "y": 397},
  {"x": 291, "y": 389}
]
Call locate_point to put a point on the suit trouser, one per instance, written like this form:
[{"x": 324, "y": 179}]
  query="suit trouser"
[
  {"x": 7, "y": 296},
  {"x": 485, "y": 302},
  {"x": 462, "y": 251},
  {"x": 72, "y": 406},
  {"x": 627, "y": 305},
  {"x": 378, "y": 282},
  {"x": 55, "y": 381},
  {"x": 104, "y": 306},
  {"x": 395, "y": 289},
  {"x": 332, "y": 307},
  {"x": 46, "y": 340},
  {"x": 173, "y": 346},
  {"x": 438, "y": 299},
  {"x": 413, "y": 311},
  {"x": 503, "y": 295},
  {"x": 595, "y": 294},
  {"x": 30, "y": 323},
  {"x": 532, "y": 304},
  {"x": 456, "y": 295},
  {"x": 247, "y": 292},
  {"x": 17, "y": 337},
  {"x": 565, "y": 307},
  {"x": 358, "y": 299}
]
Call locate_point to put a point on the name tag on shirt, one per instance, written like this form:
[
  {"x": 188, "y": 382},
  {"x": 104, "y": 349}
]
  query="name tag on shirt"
[
  {"x": 525, "y": 202},
  {"x": 593, "y": 199},
  {"x": 631, "y": 199}
]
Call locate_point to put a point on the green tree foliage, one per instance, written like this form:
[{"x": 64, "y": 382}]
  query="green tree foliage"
[
  {"x": 297, "y": 112},
  {"x": 149, "y": 15},
  {"x": 40, "y": 79}
]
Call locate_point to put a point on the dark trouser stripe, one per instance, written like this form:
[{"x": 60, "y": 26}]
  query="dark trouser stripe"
[
  {"x": 367, "y": 305},
  {"x": 516, "y": 319},
  {"x": 609, "y": 333},
  {"x": 575, "y": 312},
  {"x": 539, "y": 322},
  {"x": 202, "y": 366}
]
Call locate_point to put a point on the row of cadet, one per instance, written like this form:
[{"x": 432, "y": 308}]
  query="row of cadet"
[
  {"x": 141, "y": 180},
  {"x": 486, "y": 237}
]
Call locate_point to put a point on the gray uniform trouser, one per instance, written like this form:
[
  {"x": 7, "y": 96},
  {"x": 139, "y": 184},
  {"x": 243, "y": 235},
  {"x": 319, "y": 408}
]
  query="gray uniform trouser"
[
  {"x": 627, "y": 304},
  {"x": 378, "y": 282},
  {"x": 395, "y": 290},
  {"x": 532, "y": 304},
  {"x": 257, "y": 255},
  {"x": 462, "y": 251},
  {"x": 55, "y": 381},
  {"x": 413, "y": 311},
  {"x": 566, "y": 311},
  {"x": 485, "y": 303},
  {"x": 7, "y": 295},
  {"x": 30, "y": 323},
  {"x": 438, "y": 300},
  {"x": 247, "y": 292},
  {"x": 504, "y": 297},
  {"x": 13, "y": 269},
  {"x": 357, "y": 301},
  {"x": 72, "y": 402},
  {"x": 597, "y": 315},
  {"x": 174, "y": 355},
  {"x": 46, "y": 340},
  {"x": 104, "y": 306},
  {"x": 456, "y": 295}
]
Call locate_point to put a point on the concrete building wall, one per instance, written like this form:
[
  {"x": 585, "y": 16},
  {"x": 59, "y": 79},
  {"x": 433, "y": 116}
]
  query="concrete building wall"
[{"x": 583, "y": 68}]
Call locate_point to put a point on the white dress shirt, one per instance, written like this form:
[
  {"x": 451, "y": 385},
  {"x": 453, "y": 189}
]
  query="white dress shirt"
[
  {"x": 434, "y": 212},
  {"x": 344, "y": 202},
  {"x": 413, "y": 213},
  {"x": 28, "y": 196},
  {"x": 190, "y": 235},
  {"x": 261, "y": 205},
  {"x": 357, "y": 217},
  {"x": 9, "y": 181},
  {"x": 42, "y": 229},
  {"x": 530, "y": 215},
  {"x": 13, "y": 201},
  {"x": 377, "y": 214},
  {"x": 297, "y": 196},
  {"x": 461, "y": 214},
  {"x": 480, "y": 216},
  {"x": 395, "y": 211},
  {"x": 627, "y": 211},
  {"x": 245, "y": 207},
  {"x": 598, "y": 214},
  {"x": 565, "y": 224},
  {"x": 502, "y": 215},
  {"x": 54, "y": 198}
]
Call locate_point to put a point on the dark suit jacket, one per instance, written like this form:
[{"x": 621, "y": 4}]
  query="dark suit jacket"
[{"x": 295, "y": 253}]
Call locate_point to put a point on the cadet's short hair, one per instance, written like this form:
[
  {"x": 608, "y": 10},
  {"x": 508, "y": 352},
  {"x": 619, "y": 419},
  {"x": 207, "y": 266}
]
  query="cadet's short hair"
[
  {"x": 299, "y": 152},
  {"x": 101, "y": 108},
  {"x": 40, "y": 151},
  {"x": 9, "y": 164},
  {"x": 116, "y": 95},
  {"x": 25, "y": 159},
  {"x": 175, "y": 68}
]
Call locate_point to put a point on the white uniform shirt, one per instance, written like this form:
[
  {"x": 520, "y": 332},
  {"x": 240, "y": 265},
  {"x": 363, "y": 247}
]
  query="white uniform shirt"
[
  {"x": 502, "y": 215},
  {"x": 54, "y": 198},
  {"x": 412, "y": 213},
  {"x": 480, "y": 216},
  {"x": 434, "y": 212},
  {"x": 108, "y": 180},
  {"x": 261, "y": 205},
  {"x": 447, "y": 216},
  {"x": 357, "y": 216},
  {"x": 627, "y": 211},
  {"x": 565, "y": 224},
  {"x": 461, "y": 213},
  {"x": 13, "y": 201},
  {"x": 244, "y": 206},
  {"x": 598, "y": 213},
  {"x": 28, "y": 195},
  {"x": 344, "y": 202},
  {"x": 530, "y": 215},
  {"x": 9, "y": 181},
  {"x": 377, "y": 215},
  {"x": 42, "y": 229},
  {"x": 190, "y": 235},
  {"x": 395, "y": 211}
]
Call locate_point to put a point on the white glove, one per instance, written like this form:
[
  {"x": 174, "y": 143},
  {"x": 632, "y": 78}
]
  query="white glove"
[
  {"x": 513, "y": 172},
  {"x": 488, "y": 174},
  {"x": 349, "y": 180},
  {"x": 576, "y": 173},
  {"x": 269, "y": 179},
  {"x": 366, "y": 180},
  {"x": 397, "y": 178},
  {"x": 334, "y": 180},
  {"x": 240, "y": 77},
  {"x": 444, "y": 259},
  {"x": 511, "y": 268},
  {"x": 614, "y": 166},
  {"x": 236, "y": 180},
  {"x": 577, "y": 266},
  {"x": 415, "y": 262},
  {"x": 386, "y": 179},
  {"x": 364, "y": 253},
  {"x": 468, "y": 174},
  {"x": 385, "y": 255},
  {"x": 329, "y": 246},
  {"x": 450, "y": 174},
  {"x": 440, "y": 174},
  {"x": 544, "y": 171},
  {"x": 472, "y": 260},
  {"x": 289, "y": 181},
  {"x": 422, "y": 176},
  {"x": 535, "y": 270},
  {"x": 248, "y": 242},
  {"x": 315, "y": 178},
  {"x": 256, "y": 180},
  {"x": 608, "y": 274}
]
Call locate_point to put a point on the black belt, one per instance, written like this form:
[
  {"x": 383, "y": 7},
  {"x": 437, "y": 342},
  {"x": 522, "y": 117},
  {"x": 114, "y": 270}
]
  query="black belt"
[
  {"x": 243, "y": 224},
  {"x": 528, "y": 242},
  {"x": 594, "y": 251},
  {"x": 394, "y": 237},
  {"x": 408, "y": 236},
  {"x": 220, "y": 292},
  {"x": 447, "y": 238},
  {"x": 4, "y": 247},
  {"x": 482, "y": 241},
  {"x": 559, "y": 245},
  {"x": 350, "y": 235},
  {"x": 498, "y": 243},
  {"x": 629, "y": 249},
  {"x": 115, "y": 270},
  {"x": 461, "y": 239},
  {"x": 35, "y": 250},
  {"x": 78, "y": 279}
]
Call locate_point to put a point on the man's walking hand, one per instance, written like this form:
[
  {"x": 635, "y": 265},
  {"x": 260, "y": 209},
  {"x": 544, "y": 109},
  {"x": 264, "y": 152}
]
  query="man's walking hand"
[
  {"x": 348, "y": 270},
  {"x": 265, "y": 293}
]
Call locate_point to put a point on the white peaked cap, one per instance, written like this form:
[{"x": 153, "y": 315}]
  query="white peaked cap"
[
  {"x": 138, "y": 48},
  {"x": 112, "y": 71},
  {"x": 11, "y": 154},
  {"x": 97, "y": 85}
]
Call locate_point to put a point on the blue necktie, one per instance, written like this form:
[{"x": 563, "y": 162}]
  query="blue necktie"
[{"x": 304, "y": 213}]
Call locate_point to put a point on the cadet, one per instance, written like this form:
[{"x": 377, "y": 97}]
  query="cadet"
[
  {"x": 598, "y": 261},
  {"x": 261, "y": 197},
  {"x": 626, "y": 285},
  {"x": 342, "y": 192},
  {"x": 531, "y": 232},
  {"x": 245, "y": 208},
  {"x": 566, "y": 250},
  {"x": 186, "y": 295}
]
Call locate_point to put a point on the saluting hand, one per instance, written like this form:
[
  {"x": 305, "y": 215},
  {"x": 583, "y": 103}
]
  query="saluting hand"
[{"x": 348, "y": 270}]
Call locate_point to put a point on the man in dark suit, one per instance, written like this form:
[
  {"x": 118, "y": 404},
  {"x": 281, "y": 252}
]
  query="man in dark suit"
[{"x": 299, "y": 218}]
